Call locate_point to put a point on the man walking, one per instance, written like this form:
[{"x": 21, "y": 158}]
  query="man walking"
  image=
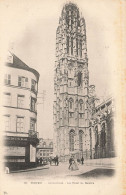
[{"x": 82, "y": 160}]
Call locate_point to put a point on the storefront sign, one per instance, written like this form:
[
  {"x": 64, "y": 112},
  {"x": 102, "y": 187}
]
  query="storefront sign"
[{"x": 16, "y": 138}]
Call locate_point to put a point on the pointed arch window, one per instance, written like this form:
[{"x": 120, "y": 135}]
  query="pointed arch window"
[
  {"x": 81, "y": 140},
  {"x": 77, "y": 47},
  {"x": 80, "y": 48},
  {"x": 96, "y": 136},
  {"x": 79, "y": 78},
  {"x": 103, "y": 135},
  {"x": 70, "y": 103},
  {"x": 71, "y": 140},
  {"x": 68, "y": 44},
  {"x": 71, "y": 45},
  {"x": 81, "y": 105}
]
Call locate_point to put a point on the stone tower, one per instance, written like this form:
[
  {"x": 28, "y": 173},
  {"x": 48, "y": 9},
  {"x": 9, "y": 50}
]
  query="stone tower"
[{"x": 71, "y": 86}]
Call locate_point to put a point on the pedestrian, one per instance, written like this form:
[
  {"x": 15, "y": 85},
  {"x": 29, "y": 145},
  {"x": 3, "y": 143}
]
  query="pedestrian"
[
  {"x": 56, "y": 161},
  {"x": 40, "y": 160},
  {"x": 70, "y": 162},
  {"x": 74, "y": 166},
  {"x": 82, "y": 160},
  {"x": 50, "y": 160}
]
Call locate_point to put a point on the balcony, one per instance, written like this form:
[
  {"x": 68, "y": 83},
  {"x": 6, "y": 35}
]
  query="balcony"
[{"x": 33, "y": 134}]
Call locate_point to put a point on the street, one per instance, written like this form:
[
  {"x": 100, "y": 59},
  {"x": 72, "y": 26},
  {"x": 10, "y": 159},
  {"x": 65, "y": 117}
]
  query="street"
[{"x": 53, "y": 172}]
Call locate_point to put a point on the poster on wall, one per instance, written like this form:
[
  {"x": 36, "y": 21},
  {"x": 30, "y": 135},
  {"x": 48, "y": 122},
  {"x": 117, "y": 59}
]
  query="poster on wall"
[{"x": 32, "y": 153}]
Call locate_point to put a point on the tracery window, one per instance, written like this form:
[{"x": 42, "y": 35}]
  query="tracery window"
[
  {"x": 81, "y": 140},
  {"x": 71, "y": 140},
  {"x": 79, "y": 78},
  {"x": 71, "y": 45},
  {"x": 68, "y": 44},
  {"x": 103, "y": 135}
]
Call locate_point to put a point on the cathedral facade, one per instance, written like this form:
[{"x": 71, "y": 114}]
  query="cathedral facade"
[{"x": 71, "y": 86}]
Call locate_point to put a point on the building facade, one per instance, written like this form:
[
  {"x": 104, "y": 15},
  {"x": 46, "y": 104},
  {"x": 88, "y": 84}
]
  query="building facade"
[
  {"x": 20, "y": 113},
  {"x": 101, "y": 129},
  {"x": 45, "y": 149},
  {"x": 71, "y": 86}
]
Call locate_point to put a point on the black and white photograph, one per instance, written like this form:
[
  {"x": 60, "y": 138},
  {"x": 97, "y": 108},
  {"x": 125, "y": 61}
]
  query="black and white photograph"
[{"x": 60, "y": 96}]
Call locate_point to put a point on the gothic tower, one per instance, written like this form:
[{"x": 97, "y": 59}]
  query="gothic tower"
[{"x": 71, "y": 86}]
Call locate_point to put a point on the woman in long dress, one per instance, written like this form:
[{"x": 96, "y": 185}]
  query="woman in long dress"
[{"x": 74, "y": 166}]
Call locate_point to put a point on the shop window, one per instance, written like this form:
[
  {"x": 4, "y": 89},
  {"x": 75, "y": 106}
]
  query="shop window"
[
  {"x": 20, "y": 101},
  {"x": 7, "y": 79}
]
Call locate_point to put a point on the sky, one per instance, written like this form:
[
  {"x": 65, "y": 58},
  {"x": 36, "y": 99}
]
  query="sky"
[{"x": 30, "y": 32}]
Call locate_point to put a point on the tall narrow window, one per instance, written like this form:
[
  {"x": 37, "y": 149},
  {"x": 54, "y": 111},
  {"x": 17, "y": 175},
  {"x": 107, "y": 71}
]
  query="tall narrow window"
[
  {"x": 103, "y": 136},
  {"x": 71, "y": 45},
  {"x": 33, "y": 85},
  {"x": 77, "y": 47},
  {"x": 80, "y": 48},
  {"x": 7, "y": 99},
  {"x": 67, "y": 44},
  {"x": 20, "y": 124},
  {"x": 32, "y": 124},
  {"x": 81, "y": 140},
  {"x": 70, "y": 103},
  {"x": 79, "y": 79},
  {"x": 33, "y": 104},
  {"x": 81, "y": 105},
  {"x": 20, "y": 101},
  {"x": 7, "y": 122},
  {"x": 71, "y": 140},
  {"x": 96, "y": 137},
  {"x": 7, "y": 79}
]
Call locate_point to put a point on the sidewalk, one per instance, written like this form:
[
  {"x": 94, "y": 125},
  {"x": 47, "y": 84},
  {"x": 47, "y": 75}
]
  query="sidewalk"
[{"x": 32, "y": 169}]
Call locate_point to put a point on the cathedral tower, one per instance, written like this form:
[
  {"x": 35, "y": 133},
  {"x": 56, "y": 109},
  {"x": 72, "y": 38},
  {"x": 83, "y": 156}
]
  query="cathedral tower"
[{"x": 71, "y": 86}]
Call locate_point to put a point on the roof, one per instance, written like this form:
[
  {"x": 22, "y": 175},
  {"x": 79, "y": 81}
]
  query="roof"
[{"x": 17, "y": 63}]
